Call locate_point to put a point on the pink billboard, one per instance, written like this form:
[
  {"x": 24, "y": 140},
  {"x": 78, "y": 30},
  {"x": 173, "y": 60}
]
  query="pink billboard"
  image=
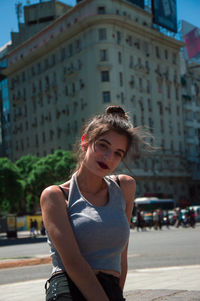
[{"x": 192, "y": 42}]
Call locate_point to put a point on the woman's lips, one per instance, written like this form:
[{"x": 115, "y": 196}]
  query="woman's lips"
[{"x": 102, "y": 165}]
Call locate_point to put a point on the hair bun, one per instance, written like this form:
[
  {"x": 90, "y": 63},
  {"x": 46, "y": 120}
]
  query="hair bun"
[{"x": 116, "y": 110}]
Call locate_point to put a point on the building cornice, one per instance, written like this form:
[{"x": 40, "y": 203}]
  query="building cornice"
[{"x": 87, "y": 22}]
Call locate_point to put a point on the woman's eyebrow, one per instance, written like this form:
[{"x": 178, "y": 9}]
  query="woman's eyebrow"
[
  {"x": 119, "y": 149},
  {"x": 104, "y": 140}
]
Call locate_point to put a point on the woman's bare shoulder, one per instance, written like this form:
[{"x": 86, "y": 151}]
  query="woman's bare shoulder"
[
  {"x": 127, "y": 181},
  {"x": 54, "y": 192}
]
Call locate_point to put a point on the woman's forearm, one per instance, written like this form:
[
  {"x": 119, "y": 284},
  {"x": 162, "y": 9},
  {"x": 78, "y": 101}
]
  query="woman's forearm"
[
  {"x": 123, "y": 275},
  {"x": 85, "y": 279}
]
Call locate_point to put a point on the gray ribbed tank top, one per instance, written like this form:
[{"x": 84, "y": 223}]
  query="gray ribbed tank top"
[{"x": 101, "y": 232}]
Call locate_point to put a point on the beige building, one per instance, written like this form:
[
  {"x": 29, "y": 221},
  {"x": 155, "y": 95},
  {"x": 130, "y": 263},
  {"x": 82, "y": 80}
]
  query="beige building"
[
  {"x": 191, "y": 111},
  {"x": 99, "y": 53}
]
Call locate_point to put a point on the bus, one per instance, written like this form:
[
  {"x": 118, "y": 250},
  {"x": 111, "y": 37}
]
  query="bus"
[
  {"x": 150, "y": 204},
  {"x": 153, "y": 203}
]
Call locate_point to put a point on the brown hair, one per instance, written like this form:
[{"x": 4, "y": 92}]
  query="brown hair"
[{"x": 114, "y": 119}]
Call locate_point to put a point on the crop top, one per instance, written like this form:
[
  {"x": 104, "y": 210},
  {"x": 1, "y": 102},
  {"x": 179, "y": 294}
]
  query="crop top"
[{"x": 102, "y": 232}]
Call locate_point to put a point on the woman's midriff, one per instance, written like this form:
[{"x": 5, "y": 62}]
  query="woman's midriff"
[{"x": 109, "y": 272}]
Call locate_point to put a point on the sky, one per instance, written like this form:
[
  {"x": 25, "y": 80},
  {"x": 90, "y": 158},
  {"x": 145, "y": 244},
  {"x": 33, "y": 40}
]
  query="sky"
[{"x": 188, "y": 10}]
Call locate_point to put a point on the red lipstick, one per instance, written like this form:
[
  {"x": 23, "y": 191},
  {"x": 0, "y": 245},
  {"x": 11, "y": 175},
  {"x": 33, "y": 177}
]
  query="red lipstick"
[{"x": 102, "y": 165}]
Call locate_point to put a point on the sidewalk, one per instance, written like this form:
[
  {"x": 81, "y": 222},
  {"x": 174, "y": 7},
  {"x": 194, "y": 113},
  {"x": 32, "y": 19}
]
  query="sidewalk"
[
  {"x": 142, "y": 285},
  {"x": 153, "y": 284}
]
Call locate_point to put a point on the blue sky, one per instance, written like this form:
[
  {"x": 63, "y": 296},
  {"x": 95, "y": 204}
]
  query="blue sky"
[{"x": 188, "y": 10}]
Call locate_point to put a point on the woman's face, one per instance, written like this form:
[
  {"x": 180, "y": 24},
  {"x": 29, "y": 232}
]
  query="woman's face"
[{"x": 106, "y": 153}]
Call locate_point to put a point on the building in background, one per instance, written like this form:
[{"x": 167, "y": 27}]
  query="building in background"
[
  {"x": 191, "y": 112},
  {"x": 97, "y": 53},
  {"x": 5, "y": 124},
  {"x": 36, "y": 18},
  {"x": 191, "y": 37}
]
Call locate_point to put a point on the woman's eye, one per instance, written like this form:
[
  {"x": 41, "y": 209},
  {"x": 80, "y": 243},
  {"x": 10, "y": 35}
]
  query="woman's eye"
[
  {"x": 103, "y": 146},
  {"x": 118, "y": 154}
]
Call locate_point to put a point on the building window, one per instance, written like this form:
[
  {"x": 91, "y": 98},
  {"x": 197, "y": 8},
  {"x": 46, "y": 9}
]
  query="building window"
[
  {"x": 23, "y": 76},
  {"x": 43, "y": 137},
  {"x": 101, "y": 10},
  {"x": 62, "y": 54},
  {"x": 22, "y": 145},
  {"x": 32, "y": 71},
  {"x": 121, "y": 79},
  {"x": 131, "y": 64},
  {"x": 70, "y": 50},
  {"x": 174, "y": 58},
  {"x": 106, "y": 97},
  {"x": 178, "y": 110},
  {"x": 105, "y": 76},
  {"x": 168, "y": 91},
  {"x": 27, "y": 142},
  {"x": 78, "y": 45},
  {"x": 53, "y": 59},
  {"x": 149, "y": 105},
  {"x": 166, "y": 54},
  {"x": 46, "y": 64},
  {"x": 73, "y": 89},
  {"x": 102, "y": 34},
  {"x": 122, "y": 97},
  {"x": 103, "y": 55},
  {"x": 177, "y": 93},
  {"x": 148, "y": 86},
  {"x": 118, "y": 37},
  {"x": 135, "y": 120},
  {"x": 36, "y": 140},
  {"x": 119, "y": 57},
  {"x": 140, "y": 85},
  {"x": 157, "y": 52},
  {"x": 132, "y": 81},
  {"x": 129, "y": 40},
  {"x": 38, "y": 68}
]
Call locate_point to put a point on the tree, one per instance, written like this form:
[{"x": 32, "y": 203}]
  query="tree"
[
  {"x": 25, "y": 165},
  {"x": 11, "y": 188},
  {"x": 48, "y": 171}
]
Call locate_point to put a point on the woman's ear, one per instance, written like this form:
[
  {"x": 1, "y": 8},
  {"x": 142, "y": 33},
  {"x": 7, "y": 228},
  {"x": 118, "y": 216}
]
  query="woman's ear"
[{"x": 84, "y": 143}]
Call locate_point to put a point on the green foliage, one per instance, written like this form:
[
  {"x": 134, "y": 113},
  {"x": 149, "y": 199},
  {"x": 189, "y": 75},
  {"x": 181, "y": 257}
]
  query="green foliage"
[
  {"x": 48, "y": 171},
  {"x": 23, "y": 182},
  {"x": 11, "y": 188},
  {"x": 25, "y": 164}
]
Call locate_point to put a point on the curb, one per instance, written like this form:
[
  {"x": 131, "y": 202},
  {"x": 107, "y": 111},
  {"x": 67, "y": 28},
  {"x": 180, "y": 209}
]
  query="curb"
[{"x": 24, "y": 262}]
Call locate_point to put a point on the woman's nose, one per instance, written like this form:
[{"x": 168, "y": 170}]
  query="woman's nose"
[{"x": 108, "y": 154}]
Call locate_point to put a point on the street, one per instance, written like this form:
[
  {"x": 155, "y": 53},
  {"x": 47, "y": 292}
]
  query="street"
[{"x": 148, "y": 249}]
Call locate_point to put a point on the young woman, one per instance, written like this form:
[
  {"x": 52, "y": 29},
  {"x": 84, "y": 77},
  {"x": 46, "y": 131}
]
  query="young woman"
[{"x": 87, "y": 218}]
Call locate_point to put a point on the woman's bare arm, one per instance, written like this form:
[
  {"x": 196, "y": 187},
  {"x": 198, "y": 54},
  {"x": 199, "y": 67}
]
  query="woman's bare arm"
[
  {"x": 128, "y": 187},
  {"x": 58, "y": 226}
]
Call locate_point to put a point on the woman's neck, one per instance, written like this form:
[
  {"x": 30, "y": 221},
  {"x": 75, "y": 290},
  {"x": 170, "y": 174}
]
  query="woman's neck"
[{"x": 89, "y": 182}]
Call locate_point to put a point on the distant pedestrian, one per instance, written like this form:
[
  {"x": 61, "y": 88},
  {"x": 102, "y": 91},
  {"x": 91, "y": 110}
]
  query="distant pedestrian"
[
  {"x": 167, "y": 221},
  {"x": 35, "y": 222},
  {"x": 32, "y": 228},
  {"x": 42, "y": 229},
  {"x": 192, "y": 218},
  {"x": 160, "y": 218},
  {"x": 139, "y": 221},
  {"x": 179, "y": 220},
  {"x": 155, "y": 219}
]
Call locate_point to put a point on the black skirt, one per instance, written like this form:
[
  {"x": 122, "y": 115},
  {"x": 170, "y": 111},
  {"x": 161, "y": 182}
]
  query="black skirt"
[{"x": 61, "y": 288}]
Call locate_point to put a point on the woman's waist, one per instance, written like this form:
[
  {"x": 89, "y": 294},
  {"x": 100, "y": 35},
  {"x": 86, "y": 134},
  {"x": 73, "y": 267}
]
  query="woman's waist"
[
  {"x": 108, "y": 272},
  {"x": 96, "y": 271}
]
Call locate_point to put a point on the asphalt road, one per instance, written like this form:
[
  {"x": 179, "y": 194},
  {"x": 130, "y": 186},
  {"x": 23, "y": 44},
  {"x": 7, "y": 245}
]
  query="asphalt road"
[{"x": 173, "y": 247}]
